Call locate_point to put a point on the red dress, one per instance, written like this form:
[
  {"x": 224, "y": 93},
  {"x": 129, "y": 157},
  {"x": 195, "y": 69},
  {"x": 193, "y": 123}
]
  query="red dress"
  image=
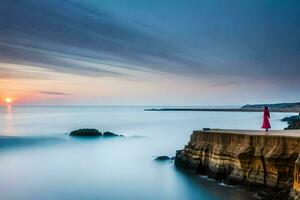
[{"x": 266, "y": 120}]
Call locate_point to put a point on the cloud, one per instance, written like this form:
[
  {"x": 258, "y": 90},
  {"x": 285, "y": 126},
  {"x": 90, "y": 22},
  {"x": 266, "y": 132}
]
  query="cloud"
[
  {"x": 33, "y": 31},
  {"x": 189, "y": 38},
  {"x": 53, "y": 93},
  {"x": 12, "y": 71}
]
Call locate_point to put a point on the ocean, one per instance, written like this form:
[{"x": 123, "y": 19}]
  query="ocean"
[{"x": 39, "y": 160}]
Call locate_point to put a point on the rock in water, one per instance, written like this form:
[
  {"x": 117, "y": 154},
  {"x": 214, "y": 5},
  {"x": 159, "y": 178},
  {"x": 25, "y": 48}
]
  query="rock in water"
[
  {"x": 86, "y": 132},
  {"x": 293, "y": 122},
  {"x": 291, "y": 118},
  {"x": 164, "y": 158},
  {"x": 110, "y": 134}
]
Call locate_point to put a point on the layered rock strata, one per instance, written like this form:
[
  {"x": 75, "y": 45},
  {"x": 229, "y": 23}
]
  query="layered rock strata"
[{"x": 251, "y": 158}]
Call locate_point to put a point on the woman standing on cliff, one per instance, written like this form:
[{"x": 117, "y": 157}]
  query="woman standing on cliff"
[{"x": 266, "y": 119}]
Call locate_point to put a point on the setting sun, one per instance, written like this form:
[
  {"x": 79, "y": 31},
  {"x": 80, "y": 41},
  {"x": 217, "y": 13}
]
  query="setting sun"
[{"x": 8, "y": 100}]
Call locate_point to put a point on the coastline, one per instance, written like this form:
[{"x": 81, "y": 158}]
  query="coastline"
[
  {"x": 287, "y": 110},
  {"x": 256, "y": 160}
]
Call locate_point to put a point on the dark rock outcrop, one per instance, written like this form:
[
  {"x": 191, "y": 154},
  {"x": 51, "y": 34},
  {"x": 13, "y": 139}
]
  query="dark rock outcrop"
[
  {"x": 293, "y": 125},
  {"x": 291, "y": 118},
  {"x": 86, "y": 132},
  {"x": 295, "y": 192},
  {"x": 266, "y": 163},
  {"x": 164, "y": 158},
  {"x": 91, "y": 132},
  {"x": 110, "y": 134},
  {"x": 293, "y": 122}
]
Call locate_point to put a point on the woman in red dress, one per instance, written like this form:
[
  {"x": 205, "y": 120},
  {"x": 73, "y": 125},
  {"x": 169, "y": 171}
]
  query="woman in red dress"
[{"x": 266, "y": 120}]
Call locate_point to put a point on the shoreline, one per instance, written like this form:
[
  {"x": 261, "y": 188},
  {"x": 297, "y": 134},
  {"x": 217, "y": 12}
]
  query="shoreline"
[{"x": 267, "y": 163}]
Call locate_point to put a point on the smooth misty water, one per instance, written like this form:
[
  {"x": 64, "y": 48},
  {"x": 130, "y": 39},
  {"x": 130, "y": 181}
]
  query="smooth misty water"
[{"x": 43, "y": 162}]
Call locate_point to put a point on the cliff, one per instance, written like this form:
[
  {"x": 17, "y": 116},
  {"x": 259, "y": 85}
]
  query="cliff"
[
  {"x": 295, "y": 107},
  {"x": 268, "y": 162},
  {"x": 293, "y": 122}
]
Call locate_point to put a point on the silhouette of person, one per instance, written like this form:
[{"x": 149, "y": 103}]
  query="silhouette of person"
[{"x": 266, "y": 119}]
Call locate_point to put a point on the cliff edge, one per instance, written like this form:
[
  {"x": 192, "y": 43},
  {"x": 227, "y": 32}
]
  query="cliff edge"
[
  {"x": 280, "y": 106},
  {"x": 256, "y": 159}
]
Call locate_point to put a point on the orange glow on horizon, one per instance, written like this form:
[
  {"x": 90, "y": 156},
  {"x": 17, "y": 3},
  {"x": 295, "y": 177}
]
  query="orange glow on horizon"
[{"x": 8, "y": 100}]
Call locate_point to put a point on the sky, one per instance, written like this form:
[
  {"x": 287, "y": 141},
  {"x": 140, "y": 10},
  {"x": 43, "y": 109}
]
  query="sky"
[{"x": 149, "y": 52}]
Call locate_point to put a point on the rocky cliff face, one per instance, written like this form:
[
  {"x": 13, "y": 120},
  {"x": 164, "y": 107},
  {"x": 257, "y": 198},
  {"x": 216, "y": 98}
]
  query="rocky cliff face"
[
  {"x": 295, "y": 192},
  {"x": 293, "y": 122},
  {"x": 260, "y": 161}
]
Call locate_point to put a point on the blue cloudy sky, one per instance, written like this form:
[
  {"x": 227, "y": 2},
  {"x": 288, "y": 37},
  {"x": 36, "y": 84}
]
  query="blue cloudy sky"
[{"x": 142, "y": 52}]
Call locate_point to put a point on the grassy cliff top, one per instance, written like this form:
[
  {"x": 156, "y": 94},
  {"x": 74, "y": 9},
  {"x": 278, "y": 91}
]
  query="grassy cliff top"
[{"x": 273, "y": 106}]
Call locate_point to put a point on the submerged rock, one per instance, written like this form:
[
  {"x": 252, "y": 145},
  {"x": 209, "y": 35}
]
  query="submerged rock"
[
  {"x": 110, "y": 134},
  {"x": 86, "y": 132},
  {"x": 91, "y": 132},
  {"x": 164, "y": 158}
]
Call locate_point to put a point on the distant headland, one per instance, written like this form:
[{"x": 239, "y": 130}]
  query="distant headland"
[{"x": 279, "y": 107}]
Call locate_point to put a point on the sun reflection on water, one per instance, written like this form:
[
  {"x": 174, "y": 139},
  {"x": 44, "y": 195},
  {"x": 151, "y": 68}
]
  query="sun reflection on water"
[{"x": 8, "y": 130}]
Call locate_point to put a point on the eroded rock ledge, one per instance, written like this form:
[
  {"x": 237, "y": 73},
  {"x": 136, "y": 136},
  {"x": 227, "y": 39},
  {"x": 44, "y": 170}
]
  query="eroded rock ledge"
[{"x": 254, "y": 159}]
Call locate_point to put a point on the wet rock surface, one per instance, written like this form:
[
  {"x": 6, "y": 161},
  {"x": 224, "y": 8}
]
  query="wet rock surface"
[
  {"x": 110, "y": 134},
  {"x": 164, "y": 158},
  {"x": 86, "y": 132},
  {"x": 91, "y": 132}
]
